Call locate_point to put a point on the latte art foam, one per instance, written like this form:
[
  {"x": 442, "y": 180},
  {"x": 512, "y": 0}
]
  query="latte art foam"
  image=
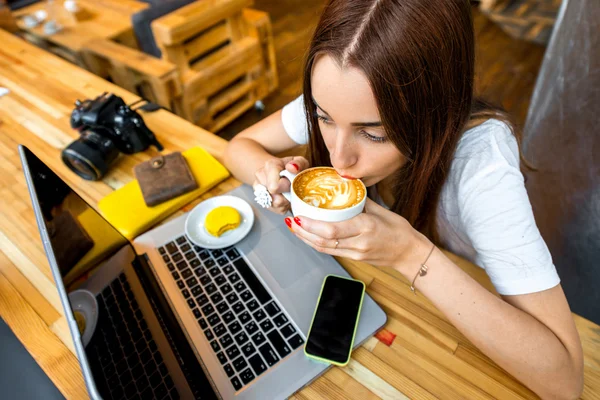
[{"x": 324, "y": 188}]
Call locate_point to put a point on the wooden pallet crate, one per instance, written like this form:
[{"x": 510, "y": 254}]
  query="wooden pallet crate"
[
  {"x": 531, "y": 20},
  {"x": 260, "y": 28}
]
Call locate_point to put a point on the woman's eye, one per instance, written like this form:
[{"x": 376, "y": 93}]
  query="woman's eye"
[
  {"x": 373, "y": 138},
  {"x": 323, "y": 119}
]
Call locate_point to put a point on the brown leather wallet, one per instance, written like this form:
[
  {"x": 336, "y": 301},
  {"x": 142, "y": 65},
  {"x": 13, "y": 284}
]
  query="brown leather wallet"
[{"x": 164, "y": 177}]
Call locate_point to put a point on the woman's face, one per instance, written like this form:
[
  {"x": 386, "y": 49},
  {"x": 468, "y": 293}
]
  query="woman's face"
[{"x": 350, "y": 123}]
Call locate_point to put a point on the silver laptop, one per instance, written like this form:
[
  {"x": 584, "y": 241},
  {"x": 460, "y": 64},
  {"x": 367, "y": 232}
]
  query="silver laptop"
[{"x": 179, "y": 321}]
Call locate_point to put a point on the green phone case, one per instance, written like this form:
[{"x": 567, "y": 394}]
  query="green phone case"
[{"x": 355, "y": 323}]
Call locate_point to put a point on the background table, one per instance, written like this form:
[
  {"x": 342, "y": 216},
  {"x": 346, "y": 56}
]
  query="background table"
[
  {"x": 428, "y": 358},
  {"x": 108, "y": 19}
]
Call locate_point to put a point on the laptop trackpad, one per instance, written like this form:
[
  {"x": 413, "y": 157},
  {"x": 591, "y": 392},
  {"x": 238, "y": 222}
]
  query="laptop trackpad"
[{"x": 276, "y": 251}]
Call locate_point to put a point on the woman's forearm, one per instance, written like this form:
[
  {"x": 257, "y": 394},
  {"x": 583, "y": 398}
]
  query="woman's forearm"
[{"x": 515, "y": 340}]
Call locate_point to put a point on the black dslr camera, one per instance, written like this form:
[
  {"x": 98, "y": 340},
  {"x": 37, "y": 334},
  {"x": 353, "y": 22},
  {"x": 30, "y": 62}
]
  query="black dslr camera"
[{"x": 107, "y": 127}]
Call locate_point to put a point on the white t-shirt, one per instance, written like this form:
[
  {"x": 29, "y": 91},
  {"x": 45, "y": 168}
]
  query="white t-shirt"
[{"x": 484, "y": 214}]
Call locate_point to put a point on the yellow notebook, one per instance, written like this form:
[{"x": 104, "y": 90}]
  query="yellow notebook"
[{"x": 126, "y": 210}]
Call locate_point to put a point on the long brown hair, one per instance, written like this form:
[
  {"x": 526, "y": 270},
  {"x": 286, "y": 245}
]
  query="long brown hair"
[{"x": 418, "y": 56}]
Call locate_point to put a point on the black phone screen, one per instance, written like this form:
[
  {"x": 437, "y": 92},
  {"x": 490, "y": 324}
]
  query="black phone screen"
[{"x": 336, "y": 316}]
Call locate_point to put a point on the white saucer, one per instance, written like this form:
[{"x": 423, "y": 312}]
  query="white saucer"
[
  {"x": 85, "y": 302},
  {"x": 196, "y": 231}
]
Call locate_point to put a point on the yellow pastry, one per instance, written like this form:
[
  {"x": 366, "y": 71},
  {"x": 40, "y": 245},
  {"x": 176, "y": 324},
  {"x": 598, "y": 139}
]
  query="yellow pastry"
[{"x": 221, "y": 220}]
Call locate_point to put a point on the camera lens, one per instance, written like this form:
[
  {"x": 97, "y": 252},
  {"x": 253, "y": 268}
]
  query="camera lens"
[{"x": 90, "y": 156}]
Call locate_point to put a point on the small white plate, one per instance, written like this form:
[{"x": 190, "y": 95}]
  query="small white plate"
[
  {"x": 85, "y": 302},
  {"x": 196, "y": 231}
]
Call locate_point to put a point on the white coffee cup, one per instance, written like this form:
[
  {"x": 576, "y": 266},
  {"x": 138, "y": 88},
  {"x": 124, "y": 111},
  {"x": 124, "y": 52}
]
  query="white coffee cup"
[{"x": 301, "y": 208}]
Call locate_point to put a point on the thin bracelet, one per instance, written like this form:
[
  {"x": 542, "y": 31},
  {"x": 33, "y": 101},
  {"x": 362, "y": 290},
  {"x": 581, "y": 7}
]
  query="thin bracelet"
[{"x": 422, "y": 271}]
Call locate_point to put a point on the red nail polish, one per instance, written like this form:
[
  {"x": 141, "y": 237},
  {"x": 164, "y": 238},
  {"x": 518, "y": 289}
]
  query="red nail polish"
[
  {"x": 295, "y": 166},
  {"x": 297, "y": 220},
  {"x": 288, "y": 222}
]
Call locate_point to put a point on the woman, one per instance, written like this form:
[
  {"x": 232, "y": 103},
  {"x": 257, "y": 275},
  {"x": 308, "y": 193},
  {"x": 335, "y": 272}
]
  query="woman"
[{"x": 388, "y": 98}]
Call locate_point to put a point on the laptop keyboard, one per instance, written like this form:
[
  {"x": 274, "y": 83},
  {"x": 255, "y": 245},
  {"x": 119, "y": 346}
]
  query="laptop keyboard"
[
  {"x": 244, "y": 325},
  {"x": 123, "y": 350}
]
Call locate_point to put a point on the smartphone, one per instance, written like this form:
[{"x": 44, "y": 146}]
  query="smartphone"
[{"x": 331, "y": 334}]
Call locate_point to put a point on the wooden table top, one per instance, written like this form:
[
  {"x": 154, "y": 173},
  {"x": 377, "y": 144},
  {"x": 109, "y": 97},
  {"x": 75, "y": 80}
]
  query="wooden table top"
[
  {"x": 107, "y": 19},
  {"x": 428, "y": 358}
]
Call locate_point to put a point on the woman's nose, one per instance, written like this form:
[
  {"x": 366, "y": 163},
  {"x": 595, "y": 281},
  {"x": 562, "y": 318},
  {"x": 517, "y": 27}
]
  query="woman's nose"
[{"x": 343, "y": 155}]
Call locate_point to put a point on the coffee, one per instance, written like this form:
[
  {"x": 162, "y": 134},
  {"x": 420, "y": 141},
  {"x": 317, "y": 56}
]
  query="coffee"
[{"x": 325, "y": 188}]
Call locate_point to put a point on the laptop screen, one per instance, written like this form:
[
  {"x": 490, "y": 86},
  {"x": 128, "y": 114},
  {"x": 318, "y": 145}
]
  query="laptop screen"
[{"x": 79, "y": 236}]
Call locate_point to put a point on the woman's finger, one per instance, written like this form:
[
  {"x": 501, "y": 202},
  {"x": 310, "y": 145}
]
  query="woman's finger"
[
  {"x": 331, "y": 230},
  {"x": 339, "y": 252},
  {"x": 297, "y": 164}
]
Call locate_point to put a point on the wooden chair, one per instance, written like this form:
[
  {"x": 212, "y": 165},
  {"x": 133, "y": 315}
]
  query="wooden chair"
[{"x": 218, "y": 60}]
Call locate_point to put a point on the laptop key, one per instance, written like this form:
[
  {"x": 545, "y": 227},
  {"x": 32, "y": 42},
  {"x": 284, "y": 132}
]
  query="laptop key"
[
  {"x": 215, "y": 346},
  {"x": 246, "y": 295},
  {"x": 219, "y": 280},
  {"x": 180, "y": 284},
  {"x": 233, "y": 278},
  {"x": 177, "y": 257},
  {"x": 280, "y": 320},
  {"x": 240, "y": 287},
  {"x": 280, "y": 345},
  {"x": 248, "y": 349},
  {"x": 197, "y": 313},
  {"x": 186, "y": 273},
  {"x": 235, "y": 327},
  {"x": 216, "y": 253},
  {"x": 214, "y": 271},
  {"x": 194, "y": 262},
  {"x": 161, "y": 250},
  {"x": 229, "y": 370},
  {"x": 247, "y": 376},
  {"x": 189, "y": 255},
  {"x": 216, "y": 297},
  {"x": 181, "y": 240},
  {"x": 222, "y": 261},
  {"x": 175, "y": 275},
  {"x": 200, "y": 272},
  {"x": 222, "y": 358},
  {"x": 245, "y": 317},
  {"x": 209, "y": 335},
  {"x": 196, "y": 291},
  {"x": 214, "y": 319},
  {"x": 205, "y": 280},
  {"x": 268, "y": 354},
  {"x": 204, "y": 255},
  {"x": 239, "y": 364},
  {"x": 198, "y": 248},
  {"x": 295, "y": 341},
  {"x": 241, "y": 338},
  {"x": 228, "y": 317},
  {"x": 166, "y": 258},
  {"x": 232, "y": 298},
  {"x": 288, "y": 331},
  {"x": 226, "y": 341},
  {"x": 233, "y": 352},
  {"x": 186, "y": 247},
  {"x": 210, "y": 263},
  {"x": 251, "y": 328},
  {"x": 192, "y": 281},
  {"x": 226, "y": 289},
  {"x": 260, "y": 315},
  {"x": 272, "y": 309},
  {"x": 222, "y": 307},
  {"x": 228, "y": 269},
  {"x": 219, "y": 330},
  {"x": 232, "y": 254},
  {"x": 208, "y": 309},
  {"x": 191, "y": 303},
  {"x": 202, "y": 323},
  {"x": 170, "y": 266},
  {"x": 238, "y": 307},
  {"x": 237, "y": 385},
  {"x": 202, "y": 300},
  {"x": 257, "y": 364},
  {"x": 181, "y": 265},
  {"x": 252, "y": 305},
  {"x": 210, "y": 288}
]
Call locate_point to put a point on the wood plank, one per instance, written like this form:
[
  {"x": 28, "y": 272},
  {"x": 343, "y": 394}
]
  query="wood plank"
[
  {"x": 212, "y": 38},
  {"x": 47, "y": 350},
  {"x": 349, "y": 386}
]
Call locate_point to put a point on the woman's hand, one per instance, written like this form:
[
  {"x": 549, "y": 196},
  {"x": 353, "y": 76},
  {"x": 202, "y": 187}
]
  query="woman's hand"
[
  {"x": 268, "y": 176},
  {"x": 377, "y": 236}
]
